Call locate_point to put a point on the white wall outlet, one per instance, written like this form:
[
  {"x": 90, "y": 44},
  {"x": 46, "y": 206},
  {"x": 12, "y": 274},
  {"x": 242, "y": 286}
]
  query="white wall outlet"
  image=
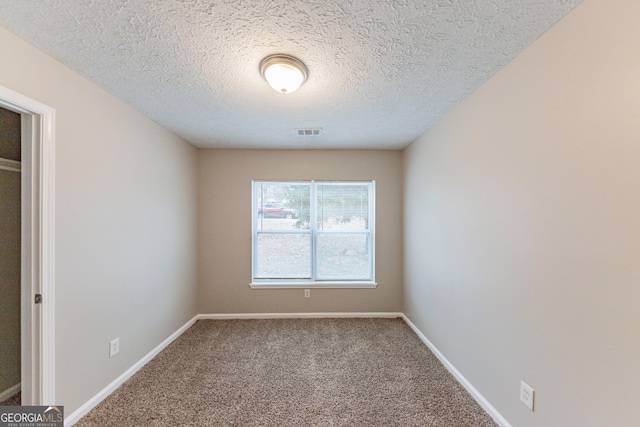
[
  {"x": 307, "y": 293},
  {"x": 527, "y": 395},
  {"x": 114, "y": 347}
]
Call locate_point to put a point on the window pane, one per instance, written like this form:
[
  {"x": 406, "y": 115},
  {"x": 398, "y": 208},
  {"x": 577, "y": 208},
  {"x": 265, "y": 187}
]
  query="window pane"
[
  {"x": 343, "y": 256},
  {"x": 290, "y": 245},
  {"x": 282, "y": 206},
  {"x": 284, "y": 256},
  {"x": 343, "y": 207}
]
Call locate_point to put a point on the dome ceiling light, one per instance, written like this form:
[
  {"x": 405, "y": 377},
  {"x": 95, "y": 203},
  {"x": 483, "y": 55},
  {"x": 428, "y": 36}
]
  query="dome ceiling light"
[{"x": 284, "y": 73}]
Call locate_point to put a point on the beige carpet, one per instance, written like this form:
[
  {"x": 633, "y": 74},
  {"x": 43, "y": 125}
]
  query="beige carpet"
[
  {"x": 293, "y": 372},
  {"x": 14, "y": 400}
]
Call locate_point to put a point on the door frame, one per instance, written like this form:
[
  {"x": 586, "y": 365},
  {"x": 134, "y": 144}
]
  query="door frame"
[{"x": 38, "y": 250}]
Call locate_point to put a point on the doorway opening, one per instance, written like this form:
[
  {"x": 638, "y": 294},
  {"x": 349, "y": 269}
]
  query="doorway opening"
[
  {"x": 10, "y": 248},
  {"x": 35, "y": 195}
]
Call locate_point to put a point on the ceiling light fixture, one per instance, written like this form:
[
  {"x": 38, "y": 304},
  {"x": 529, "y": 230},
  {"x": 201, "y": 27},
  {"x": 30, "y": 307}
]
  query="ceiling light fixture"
[{"x": 284, "y": 73}]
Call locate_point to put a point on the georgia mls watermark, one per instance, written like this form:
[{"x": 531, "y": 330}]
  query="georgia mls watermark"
[{"x": 31, "y": 416}]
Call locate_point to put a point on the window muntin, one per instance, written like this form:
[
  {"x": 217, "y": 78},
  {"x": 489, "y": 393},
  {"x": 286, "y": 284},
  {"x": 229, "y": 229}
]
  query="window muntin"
[{"x": 313, "y": 232}]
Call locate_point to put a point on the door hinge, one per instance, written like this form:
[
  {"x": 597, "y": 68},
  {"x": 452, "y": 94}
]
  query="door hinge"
[{"x": 38, "y": 299}]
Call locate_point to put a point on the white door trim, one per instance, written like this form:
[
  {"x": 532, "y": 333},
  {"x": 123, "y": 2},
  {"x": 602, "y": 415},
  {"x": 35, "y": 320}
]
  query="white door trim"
[{"x": 38, "y": 321}]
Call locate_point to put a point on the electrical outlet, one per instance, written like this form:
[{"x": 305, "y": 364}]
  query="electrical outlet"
[
  {"x": 307, "y": 293},
  {"x": 527, "y": 395},
  {"x": 114, "y": 347}
]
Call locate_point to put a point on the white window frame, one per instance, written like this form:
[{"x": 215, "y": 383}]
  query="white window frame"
[{"x": 313, "y": 231}]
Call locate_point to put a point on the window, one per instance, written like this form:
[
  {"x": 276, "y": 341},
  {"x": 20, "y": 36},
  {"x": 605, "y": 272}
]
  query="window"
[{"x": 318, "y": 233}]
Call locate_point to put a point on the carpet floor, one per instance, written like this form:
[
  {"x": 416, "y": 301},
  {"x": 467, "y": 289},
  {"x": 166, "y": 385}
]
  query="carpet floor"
[
  {"x": 292, "y": 372},
  {"x": 14, "y": 400}
]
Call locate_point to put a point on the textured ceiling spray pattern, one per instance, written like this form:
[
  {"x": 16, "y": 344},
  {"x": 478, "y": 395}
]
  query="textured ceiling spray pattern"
[{"x": 380, "y": 72}]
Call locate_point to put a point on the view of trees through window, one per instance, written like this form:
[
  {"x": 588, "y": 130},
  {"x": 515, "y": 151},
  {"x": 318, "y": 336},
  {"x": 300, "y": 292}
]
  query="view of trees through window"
[{"x": 313, "y": 230}]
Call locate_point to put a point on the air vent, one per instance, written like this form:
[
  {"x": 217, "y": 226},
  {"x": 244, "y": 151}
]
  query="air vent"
[{"x": 309, "y": 131}]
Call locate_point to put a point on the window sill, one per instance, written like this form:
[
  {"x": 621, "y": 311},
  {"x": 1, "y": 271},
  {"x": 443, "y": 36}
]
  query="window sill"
[{"x": 316, "y": 285}]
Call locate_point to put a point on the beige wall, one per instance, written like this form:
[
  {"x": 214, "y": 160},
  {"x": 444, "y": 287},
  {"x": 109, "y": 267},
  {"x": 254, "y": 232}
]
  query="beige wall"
[
  {"x": 225, "y": 229},
  {"x": 9, "y": 279},
  {"x": 125, "y": 224},
  {"x": 522, "y": 226}
]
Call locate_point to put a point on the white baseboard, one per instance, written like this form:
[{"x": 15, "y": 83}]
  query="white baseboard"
[
  {"x": 95, "y": 400},
  {"x": 484, "y": 403},
  {"x": 389, "y": 315},
  {"x": 10, "y": 392}
]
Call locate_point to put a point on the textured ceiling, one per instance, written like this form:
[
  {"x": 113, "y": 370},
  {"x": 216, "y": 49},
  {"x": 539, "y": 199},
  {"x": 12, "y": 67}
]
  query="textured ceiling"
[{"x": 380, "y": 72}]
